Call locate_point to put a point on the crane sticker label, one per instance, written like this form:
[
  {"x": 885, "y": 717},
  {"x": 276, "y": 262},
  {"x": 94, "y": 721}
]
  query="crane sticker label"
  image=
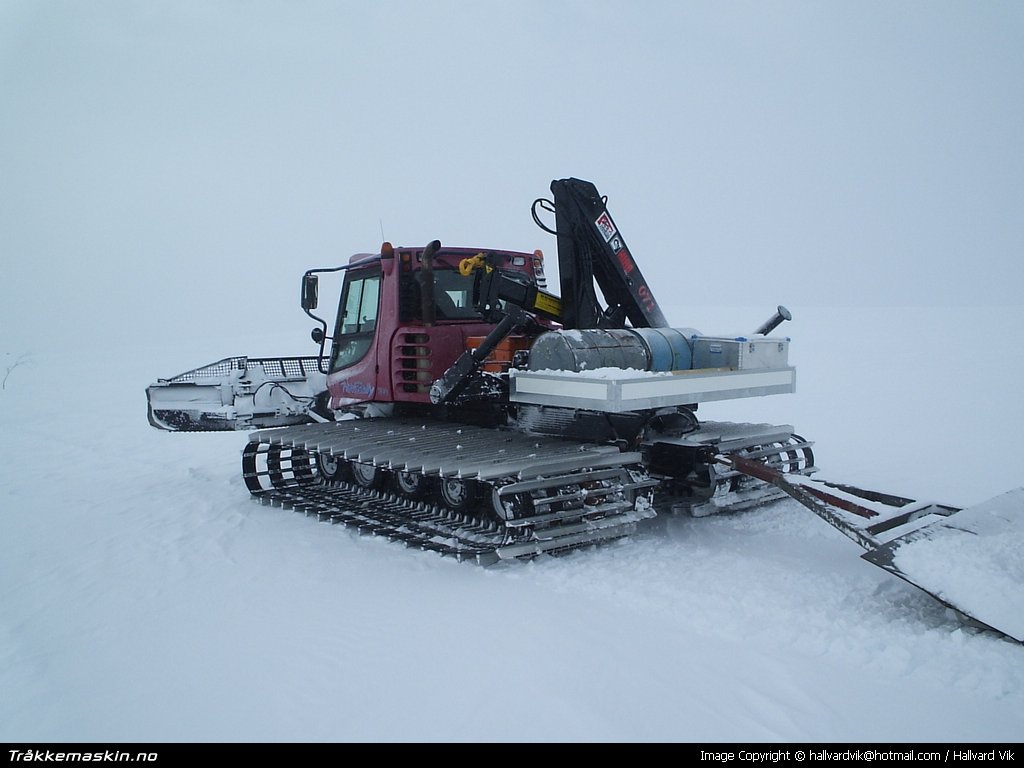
[
  {"x": 625, "y": 261},
  {"x": 605, "y": 225}
]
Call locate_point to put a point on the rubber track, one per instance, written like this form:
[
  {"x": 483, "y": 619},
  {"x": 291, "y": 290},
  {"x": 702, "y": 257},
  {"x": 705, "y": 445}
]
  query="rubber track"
[
  {"x": 415, "y": 525},
  {"x": 286, "y": 477}
]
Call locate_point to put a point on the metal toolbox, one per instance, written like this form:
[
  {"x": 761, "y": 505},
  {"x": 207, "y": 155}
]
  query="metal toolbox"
[{"x": 740, "y": 353}]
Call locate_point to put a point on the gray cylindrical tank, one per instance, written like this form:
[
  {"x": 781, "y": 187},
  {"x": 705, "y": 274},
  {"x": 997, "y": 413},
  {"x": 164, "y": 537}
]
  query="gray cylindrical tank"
[
  {"x": 587, "y": 350},
  {"x": 641, "y": 349}
]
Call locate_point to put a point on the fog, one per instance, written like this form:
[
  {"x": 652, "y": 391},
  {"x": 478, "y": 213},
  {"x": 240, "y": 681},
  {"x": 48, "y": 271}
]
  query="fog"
[{"x": 171, "y": 168}]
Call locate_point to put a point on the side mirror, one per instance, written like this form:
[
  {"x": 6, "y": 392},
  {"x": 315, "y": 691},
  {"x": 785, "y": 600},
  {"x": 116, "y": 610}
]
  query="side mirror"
[
  {"x": 310, "y": 285},
  {"x": 317, "y": 334}
]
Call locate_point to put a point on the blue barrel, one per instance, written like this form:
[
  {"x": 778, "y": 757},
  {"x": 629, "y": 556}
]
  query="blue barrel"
[{"x": 668, "y": 348}]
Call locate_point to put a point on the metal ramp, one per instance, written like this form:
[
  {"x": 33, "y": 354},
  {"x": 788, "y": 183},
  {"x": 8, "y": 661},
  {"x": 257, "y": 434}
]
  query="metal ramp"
[{"x": 971, "y": 560}]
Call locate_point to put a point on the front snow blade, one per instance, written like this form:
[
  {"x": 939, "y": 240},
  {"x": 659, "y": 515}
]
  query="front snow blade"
[{"x": 973, "y": 561}]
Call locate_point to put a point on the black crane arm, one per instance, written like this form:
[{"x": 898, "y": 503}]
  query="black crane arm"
[{"x": 591, "y": 248}]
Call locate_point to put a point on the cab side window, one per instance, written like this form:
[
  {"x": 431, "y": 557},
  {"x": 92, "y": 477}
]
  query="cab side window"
[{"x": 357, "y": 318}]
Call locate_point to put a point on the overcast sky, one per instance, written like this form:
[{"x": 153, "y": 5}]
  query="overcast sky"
[{"x": 170, "y": 166}]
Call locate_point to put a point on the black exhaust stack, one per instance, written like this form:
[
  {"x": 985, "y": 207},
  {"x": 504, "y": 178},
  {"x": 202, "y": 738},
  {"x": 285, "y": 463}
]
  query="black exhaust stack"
[
  {"x": 426, "y": 281},
  {"x": 781, "y": 315}
]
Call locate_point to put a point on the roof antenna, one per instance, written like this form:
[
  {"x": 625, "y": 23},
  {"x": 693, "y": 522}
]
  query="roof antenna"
[{"x": 381, "y": 222}]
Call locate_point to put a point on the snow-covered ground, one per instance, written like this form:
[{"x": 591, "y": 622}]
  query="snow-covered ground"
[{"x": 143, "y": 596}]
